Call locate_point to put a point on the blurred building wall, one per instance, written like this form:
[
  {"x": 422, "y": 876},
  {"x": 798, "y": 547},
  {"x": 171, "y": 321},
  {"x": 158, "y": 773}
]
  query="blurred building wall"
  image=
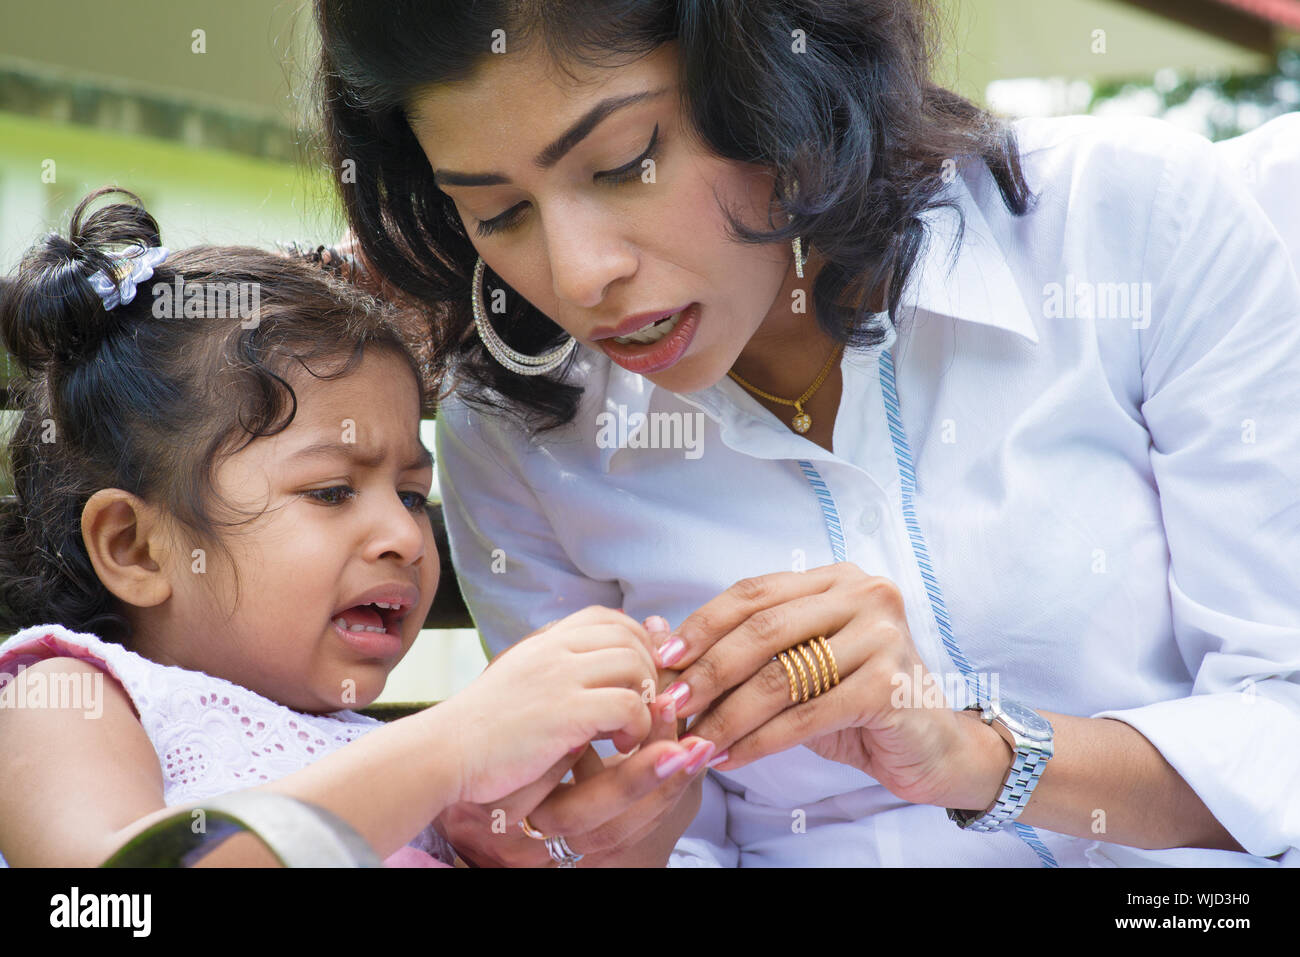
[
  {"x": 203, "y": 125},
  {"x": 1007, "y": 39}
]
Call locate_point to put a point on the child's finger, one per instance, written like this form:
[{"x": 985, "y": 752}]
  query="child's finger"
[
  {"x": 619, "y": 714},
  {"x": 612, "y": 666},
  {"x": 626, "y": 742},
  {"x": 595, "y": 639},
  {"x": 650, "y": 634},
  {"x": 663, "y": 727}
]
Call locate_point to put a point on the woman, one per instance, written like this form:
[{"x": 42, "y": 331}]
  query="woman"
[{"x": 965, "y": 463}]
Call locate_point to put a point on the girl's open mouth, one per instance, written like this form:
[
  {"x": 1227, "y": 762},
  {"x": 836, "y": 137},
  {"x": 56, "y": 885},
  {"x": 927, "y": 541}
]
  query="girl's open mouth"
[{"x": 373, "y": 629}]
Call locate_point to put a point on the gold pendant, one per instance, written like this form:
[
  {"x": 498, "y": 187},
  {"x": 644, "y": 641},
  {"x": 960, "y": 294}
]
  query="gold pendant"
[{"x": 802, "y": 422}]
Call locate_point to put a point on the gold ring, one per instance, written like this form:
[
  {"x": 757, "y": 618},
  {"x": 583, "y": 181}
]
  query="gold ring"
[
  {"x": 835, "y": 671},
  {"x": 818, "y": 684},
  {"x": 793, "y": 663},
  {"x": 816, "y": 666},
  {"x": 527, "y": 827},
  {"x": 803, "y": 678},
  {"x": 794, "y": 690},
  {"x": 814, "y": 675},
  {"x": 821, "y": 662},
  {"x": 813, "y": 669}
]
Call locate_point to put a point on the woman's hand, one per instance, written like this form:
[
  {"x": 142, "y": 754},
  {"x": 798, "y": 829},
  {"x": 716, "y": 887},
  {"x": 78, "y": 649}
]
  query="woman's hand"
[{"x": 923, "y": 754}]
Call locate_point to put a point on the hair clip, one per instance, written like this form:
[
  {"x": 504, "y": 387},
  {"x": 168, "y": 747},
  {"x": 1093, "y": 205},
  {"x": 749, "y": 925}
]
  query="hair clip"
[{"x": 134, "y": 266}]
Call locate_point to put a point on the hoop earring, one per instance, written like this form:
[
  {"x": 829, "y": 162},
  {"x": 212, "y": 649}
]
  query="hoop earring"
[{"x": 514, "y": 361}]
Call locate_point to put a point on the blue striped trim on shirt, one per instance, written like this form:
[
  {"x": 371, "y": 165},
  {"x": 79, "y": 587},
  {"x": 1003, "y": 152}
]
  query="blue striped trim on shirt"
[
  {"x": 907, "y": 474},
  {"x": 830, "y": 513},
  {"x": 903, "y": 452}
]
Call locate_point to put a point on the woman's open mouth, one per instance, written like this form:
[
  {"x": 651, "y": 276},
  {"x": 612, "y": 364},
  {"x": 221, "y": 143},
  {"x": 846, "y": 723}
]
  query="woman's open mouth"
[{"x": 658, "y": 345}]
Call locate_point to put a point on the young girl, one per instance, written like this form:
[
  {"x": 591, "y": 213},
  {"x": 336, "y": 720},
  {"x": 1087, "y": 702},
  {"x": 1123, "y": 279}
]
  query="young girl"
[{"x": 220, "y": 506}]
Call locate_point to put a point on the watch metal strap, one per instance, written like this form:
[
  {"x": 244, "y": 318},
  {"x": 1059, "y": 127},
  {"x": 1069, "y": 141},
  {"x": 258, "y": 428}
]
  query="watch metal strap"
[{"x": 1026, "y": 768}]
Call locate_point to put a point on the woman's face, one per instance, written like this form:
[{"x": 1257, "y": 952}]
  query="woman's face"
[{"x": 591, "y": 252}]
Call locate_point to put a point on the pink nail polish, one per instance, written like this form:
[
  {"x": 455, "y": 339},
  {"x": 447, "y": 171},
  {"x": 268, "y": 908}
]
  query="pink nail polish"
[
  {"x": 671, "y": 651},
  {"x": 679, "y": 692},
  {"x": 701, "y": 753},
  {"x": 669, "y": 711},
  {"x": 719, "y": 759},
  {"x": 670, "y": 764}
]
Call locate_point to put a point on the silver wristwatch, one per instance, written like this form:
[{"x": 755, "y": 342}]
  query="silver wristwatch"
[{"x": 1030, "y": 737}]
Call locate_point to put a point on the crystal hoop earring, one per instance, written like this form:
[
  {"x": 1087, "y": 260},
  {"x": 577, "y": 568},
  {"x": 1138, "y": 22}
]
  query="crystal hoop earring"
[{"x": 512, "y": 360}]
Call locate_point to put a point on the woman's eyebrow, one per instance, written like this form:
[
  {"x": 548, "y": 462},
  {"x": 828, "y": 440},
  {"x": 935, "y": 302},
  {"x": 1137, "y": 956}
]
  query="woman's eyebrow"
[{"x": 557, "y": 150}]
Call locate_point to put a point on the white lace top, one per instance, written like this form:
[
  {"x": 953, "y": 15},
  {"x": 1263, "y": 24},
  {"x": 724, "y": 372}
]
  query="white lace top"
[{"x": 212, "y": 736}]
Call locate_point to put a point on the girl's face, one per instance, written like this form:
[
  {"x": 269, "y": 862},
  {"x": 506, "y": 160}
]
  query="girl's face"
[
  {"x": 589, "y": 250},
  {"x": 344, "y": 490}
]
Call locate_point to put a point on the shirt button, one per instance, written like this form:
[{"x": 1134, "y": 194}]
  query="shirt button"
[{"x": 870, "y": 520}]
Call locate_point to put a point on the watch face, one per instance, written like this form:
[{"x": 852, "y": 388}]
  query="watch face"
[{"x": 1032, "y": 724}]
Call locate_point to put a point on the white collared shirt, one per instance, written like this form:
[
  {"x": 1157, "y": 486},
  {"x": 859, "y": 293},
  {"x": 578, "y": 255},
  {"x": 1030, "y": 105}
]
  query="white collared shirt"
[
  {"x": 1268, "y": 161},
  {"x": 1102, "y": 501}
]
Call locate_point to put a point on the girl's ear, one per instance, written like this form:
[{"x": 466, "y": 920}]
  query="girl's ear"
[{"x": 124, "y": 539}]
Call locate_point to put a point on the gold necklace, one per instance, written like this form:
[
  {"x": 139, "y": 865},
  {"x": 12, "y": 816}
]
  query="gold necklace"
[{"x": 802, "y": 421}]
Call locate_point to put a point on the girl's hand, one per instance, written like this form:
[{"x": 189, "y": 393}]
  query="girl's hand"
[
  {"x": 921, "y": 754},
  {"x": 590, "y": 675},
  {"x": 626, "y": 811}
]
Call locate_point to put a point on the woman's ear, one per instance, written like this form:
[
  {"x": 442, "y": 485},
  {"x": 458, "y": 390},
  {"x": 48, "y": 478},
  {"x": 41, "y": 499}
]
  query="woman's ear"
[{"x": 124, "y": 538}]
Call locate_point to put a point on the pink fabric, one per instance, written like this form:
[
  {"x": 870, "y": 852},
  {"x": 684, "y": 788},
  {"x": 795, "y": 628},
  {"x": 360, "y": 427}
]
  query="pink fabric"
[
  {"x": 412, "y": 857},
  {"x": 28, "y": 653}
]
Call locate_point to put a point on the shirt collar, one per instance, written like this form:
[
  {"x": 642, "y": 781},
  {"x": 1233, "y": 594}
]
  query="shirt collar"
[{"x": 977, "y": 287}]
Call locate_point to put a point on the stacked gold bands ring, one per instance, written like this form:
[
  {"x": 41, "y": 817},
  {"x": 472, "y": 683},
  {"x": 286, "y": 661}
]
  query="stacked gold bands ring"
[{"x": 820, "y": 675}]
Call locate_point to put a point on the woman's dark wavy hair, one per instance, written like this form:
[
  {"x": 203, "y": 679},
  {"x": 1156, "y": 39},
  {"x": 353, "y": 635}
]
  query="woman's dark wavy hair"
[
  {"x": 126, "y": 399},
  {"x": 855, "y": 121}
]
